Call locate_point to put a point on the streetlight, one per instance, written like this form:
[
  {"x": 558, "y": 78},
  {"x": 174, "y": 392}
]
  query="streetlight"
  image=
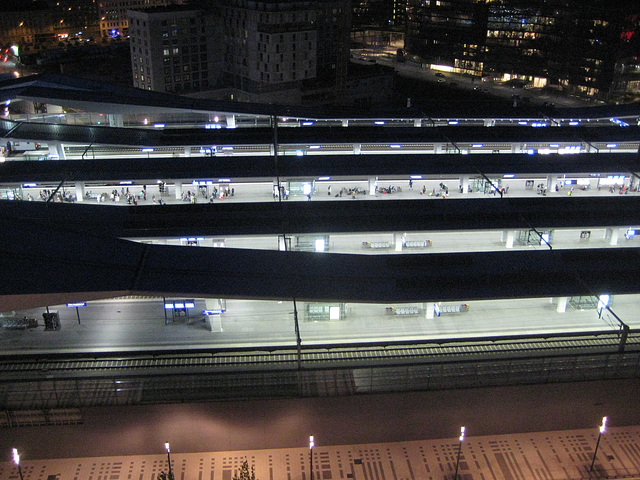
[
  {"x": 311, "y": 445},
  {"x": 16, "y": 460},
  {"x": 462, "y": 429},
  {"x": 603, "y": 427},
  {"x": 166, "y": 446}
]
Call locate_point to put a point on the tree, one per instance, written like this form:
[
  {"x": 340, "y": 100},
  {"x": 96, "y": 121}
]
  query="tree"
[{"x": 245, "y": 473}]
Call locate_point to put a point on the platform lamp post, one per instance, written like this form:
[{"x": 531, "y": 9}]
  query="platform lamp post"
[
  {"x": 16, "y": 460},
  {"x": 462, "y": 429},
  {"x": 311, "y": 445},
  {"x": 603, "y": 427},
  {"x": 166, "y": 446}
]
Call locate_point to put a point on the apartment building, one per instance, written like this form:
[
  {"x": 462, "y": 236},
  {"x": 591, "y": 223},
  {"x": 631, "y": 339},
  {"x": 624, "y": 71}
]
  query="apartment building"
[{"x": 173, "y": 49}]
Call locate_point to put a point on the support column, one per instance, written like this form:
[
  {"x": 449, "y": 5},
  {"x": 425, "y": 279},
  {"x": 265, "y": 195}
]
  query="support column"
[
  {"x": 510, "y": 235},
  {"x": 417, "y": 122},
  {"x": 357, "y": 148},
  {"x": 115, "y": 120},
  {"x": 61, "y": 153},
  {"x": 552, "y": 181},
  {"x": 373, "y": 183},
  {"x": 429, "y": 312},
  {"x": 488, "y": 122},
  {"x": 612, "y": 234},
  {"x": 178, "y": 186},
  {"x": 437, "y": 148},
  {"x": 398, "y": 240},
  {"x": 79, "y": 191},
  {"x": 466, "y": 181},
  {"x": 57, "y": 148},
  {"x": 215, "y": 321},
  {"x": 187, "y": 151},
  {"x": 562, "y": 304},
  {"x": 345, "y": 123},
  {"x": 282, "y": 244},
  {"x": 231, "y": 121}
]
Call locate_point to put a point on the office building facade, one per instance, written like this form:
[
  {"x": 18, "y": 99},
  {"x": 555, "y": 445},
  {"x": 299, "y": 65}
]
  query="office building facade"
[
  {"x": 570, "y": 46},
  {"x": 113, "y": 14}
]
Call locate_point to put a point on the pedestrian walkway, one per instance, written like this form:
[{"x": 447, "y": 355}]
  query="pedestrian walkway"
[{"x": 555, "y": 455}]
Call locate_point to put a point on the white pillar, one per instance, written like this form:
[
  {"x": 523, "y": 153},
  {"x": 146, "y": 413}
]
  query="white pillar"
[
  {"x": 215, "y": 321},
  {"x": 417, "y": 122},
  {"x": 398, "y": 240},
  {"x": 552, "y": 181},
  {"x": 437, "y": 148},
  {"x": 282, "y": 244},
  {"x": 465, "y": 184},
  {"x": 488, "y": 122},
  {"x": 115, "y": 120},
  {"x": 61, "y": 153},
  {"x": 345, "y": 123},
  {"x": 79, "y": 191},
  {"x": 614, "y": 234},
  {"x": 562, "y": 304},
  {"x": 373, "y": 182},
  {"x": 187, "y": 151},
  {"x": 231, "y": 121},
  {"x": 357, "y": 148},
  {"x": 57, "y": 148},
  {"x": 428, "y": 310},
  {"x": 510, "y": 238},
  {"x": 178, "y": 186}
]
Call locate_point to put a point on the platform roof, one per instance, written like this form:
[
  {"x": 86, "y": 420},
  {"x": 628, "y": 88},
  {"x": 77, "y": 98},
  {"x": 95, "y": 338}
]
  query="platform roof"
[
  {"x": 94, "y": 96},
  {"x": 159, "y": 137},
  {"x": 52, "y": 264},
  {"x": 239, "y": 168},
  {"x": 291, "y": 217}
]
